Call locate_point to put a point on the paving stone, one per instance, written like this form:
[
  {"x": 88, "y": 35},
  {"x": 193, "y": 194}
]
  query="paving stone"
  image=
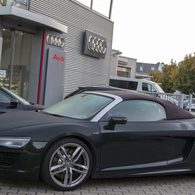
[
  {"x": 121, "y": 191},
  {"x": 26, "y": 192},
  {"x": 11, "y": 194},
  {"x": 88, "y": 193},
  {"x": 9, "y": 191},
  {"x": 52, "y": 191},
  {"x": 97, "y": 191},
  {"x": 161, "y": 185}
]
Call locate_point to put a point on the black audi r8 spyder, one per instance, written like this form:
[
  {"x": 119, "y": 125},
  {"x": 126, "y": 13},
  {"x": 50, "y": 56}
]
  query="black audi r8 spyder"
[{"x": 97, "y": 134}]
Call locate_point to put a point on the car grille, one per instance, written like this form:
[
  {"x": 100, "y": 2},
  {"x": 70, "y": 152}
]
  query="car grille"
[{"x": 8, "y": 157}]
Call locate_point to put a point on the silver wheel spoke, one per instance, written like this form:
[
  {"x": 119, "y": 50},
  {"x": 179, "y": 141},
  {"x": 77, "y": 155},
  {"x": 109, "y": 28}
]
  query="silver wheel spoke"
[
  {"x": 75, "y": 152},
  {"x": 80, "y": 166},
  {"x": 59, "y": 171},
  {"x": 78, "y": 156},
  {"x": 66, "y": 178},
  {"x": 56, "y": 167},
  {"x": 79, "y": 171},
  {"x": 67, "y": 157},
  {"x": 60, "y": 155},
  {"x": 70, "y": 177}
]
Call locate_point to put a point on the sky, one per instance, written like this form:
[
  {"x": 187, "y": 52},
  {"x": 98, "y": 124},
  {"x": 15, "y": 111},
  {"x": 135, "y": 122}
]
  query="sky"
[{"x": 154, "y": 31}]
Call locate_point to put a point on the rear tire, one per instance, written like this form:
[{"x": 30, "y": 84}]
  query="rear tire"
[{"x": 67, "y": 164}]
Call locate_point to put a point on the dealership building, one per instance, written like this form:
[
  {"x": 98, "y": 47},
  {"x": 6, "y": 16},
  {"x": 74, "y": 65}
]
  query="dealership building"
[{"x": 50, "y": 48}]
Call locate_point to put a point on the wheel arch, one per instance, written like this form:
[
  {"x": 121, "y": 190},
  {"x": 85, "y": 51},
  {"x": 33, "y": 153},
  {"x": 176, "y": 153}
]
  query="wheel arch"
[{"x": 84, "y": 140}]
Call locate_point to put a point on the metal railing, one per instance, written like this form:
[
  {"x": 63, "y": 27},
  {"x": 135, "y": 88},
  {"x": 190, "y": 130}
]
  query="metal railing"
[{"x": 174, "y": 98}]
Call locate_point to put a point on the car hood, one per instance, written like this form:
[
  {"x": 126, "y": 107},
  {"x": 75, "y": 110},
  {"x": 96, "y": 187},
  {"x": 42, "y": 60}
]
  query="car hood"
[{"x": 22, "y": 119}]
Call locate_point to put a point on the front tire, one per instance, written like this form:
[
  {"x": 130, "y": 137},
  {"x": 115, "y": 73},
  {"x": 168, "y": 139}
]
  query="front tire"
[{"x": 67, "y": 164}]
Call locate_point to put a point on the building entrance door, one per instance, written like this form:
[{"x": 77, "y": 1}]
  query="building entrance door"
[{"x": 15, "y": 61}]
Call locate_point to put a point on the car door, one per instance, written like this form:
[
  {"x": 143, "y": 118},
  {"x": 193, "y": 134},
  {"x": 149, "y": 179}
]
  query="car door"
[
  {"x": 5, "y": 105},
  {"x": 183, "y": 150},
  {"x": 145, "y": 141}
]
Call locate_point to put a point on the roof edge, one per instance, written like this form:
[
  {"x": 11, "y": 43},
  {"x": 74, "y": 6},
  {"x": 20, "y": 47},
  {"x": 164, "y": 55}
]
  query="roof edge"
[{"x": 39, "y": 19}]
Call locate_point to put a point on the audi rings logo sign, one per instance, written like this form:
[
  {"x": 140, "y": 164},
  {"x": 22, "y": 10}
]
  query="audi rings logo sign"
[
  {"x": 95, "y": 45},
  {"x": 55, "y": 40}
]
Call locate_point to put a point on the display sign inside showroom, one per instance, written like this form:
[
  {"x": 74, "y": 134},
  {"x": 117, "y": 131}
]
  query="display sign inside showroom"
[
  {"x": 95, "y": 45},
  {"x": 3, "y": 73}
]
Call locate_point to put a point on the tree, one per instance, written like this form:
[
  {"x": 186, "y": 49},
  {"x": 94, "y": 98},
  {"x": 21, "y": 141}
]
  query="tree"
[
  {"x": 184, "y": 77},
  {"x": 181, "y": 77},
  {"x": 165, "y": 77}
]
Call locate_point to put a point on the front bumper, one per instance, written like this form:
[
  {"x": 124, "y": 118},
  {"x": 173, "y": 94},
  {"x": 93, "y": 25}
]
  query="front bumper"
[{"x": 23, "y": 163}]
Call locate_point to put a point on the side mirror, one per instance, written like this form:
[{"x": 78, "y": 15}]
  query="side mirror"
[
  {"x": 14, "y": 102},
  {"x": 113, "y": 120}
]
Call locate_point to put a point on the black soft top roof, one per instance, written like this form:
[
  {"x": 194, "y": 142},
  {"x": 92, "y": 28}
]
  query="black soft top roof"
[{"x": 173, "y": 112}]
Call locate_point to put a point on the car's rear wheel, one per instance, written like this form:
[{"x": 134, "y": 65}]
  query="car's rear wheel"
[{"x": 67, "y": 164}]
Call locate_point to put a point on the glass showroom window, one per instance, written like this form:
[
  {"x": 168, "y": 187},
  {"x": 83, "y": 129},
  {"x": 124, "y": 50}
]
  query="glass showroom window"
[{"x": 15, "y": 61}]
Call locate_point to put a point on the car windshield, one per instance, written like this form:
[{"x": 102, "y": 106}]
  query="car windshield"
[
  {"x": 17, "y": 96},
  {"x": 159, "y": 88},
  {"x": 81, "y": 106}
]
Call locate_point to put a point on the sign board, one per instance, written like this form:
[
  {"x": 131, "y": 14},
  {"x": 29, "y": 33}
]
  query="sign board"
[
  {"x": 3, "y": 73},
  {"x": 94, "y": 45},
  {"x": 55, "y": 76},
  {"x": 53, "y": 54}
]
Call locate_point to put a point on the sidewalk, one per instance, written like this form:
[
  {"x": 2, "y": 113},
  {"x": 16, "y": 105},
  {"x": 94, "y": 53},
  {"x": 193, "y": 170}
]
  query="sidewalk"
[{"x": 164, "y": 185}]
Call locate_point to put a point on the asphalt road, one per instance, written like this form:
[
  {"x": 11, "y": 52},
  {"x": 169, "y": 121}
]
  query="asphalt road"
[{"x": 160, "y": 185}]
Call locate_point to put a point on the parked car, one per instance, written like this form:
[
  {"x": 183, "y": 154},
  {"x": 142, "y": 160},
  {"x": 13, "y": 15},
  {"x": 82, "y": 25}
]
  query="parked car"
[
  {"x": 143, "y": 86},
  {"x": 192, "y": 105},
  {"x": 135, "y": 84},
  {"x": 98, "y": 134},
  {"x": 10, "y": 102},
  {"x": 93, "y": 88},
  {"x": 185, "y": 103}
]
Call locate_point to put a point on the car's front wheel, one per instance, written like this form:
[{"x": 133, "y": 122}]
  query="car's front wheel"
[{"x": 67, "y": 164}]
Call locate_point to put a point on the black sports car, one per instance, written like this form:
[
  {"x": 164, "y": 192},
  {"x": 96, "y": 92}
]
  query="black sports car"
[
  {"x": 97, "y": 134},
  {"x": 10, "y": 102}
]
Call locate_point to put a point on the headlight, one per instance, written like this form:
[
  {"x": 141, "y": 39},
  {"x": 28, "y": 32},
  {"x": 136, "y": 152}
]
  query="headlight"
[{"x": 14, "y": 142}]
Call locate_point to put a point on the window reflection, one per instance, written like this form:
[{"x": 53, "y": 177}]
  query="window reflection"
[
  {"x": 17, "y": 3},
  {"x": 139, "y": 110},
  {"x": 101, "y": 6},
  {"x": 85, "y": 2}
]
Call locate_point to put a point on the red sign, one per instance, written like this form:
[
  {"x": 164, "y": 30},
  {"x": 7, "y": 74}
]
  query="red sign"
[{"x": 58, "y": 58}]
